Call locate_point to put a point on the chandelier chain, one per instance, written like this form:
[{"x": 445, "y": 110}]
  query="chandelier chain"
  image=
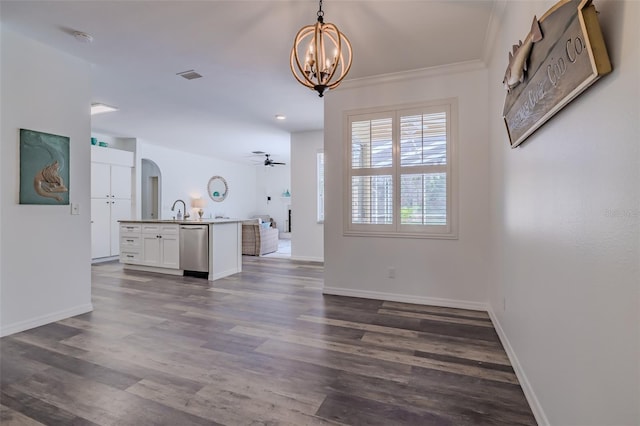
[{"x": 320, "y": 12}]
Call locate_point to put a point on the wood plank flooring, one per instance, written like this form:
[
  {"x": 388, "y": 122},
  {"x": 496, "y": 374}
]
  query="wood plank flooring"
[{"x": 263, "y": 347}]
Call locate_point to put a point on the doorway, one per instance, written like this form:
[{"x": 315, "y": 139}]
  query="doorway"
[{"x": 151, "y": 191}]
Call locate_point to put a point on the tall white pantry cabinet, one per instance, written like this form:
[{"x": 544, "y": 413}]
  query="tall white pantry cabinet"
[{"x": 111, "y": 171}]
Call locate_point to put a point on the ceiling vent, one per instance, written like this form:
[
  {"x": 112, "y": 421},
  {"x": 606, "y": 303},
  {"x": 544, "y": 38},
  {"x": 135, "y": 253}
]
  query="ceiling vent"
[{"x": 189, "y": 75}]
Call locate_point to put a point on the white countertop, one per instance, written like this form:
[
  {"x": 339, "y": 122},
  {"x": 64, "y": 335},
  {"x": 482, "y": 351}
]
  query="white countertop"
[{"x": 183, "y": 222}]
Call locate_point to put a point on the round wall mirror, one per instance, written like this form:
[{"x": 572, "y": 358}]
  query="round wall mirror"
[{"x": 217, "y": 188}]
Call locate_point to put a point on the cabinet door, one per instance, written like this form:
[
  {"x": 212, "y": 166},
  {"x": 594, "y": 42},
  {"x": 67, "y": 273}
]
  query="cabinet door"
[
  {"x": 121, "y": 182},
  {"x": 150, "y": 250},
  {"x": 100, "y": 222},
  {"x": 170, "y": 251},
  {"x": 120, "y": 210},
  {"x": 100, "y": 180}
]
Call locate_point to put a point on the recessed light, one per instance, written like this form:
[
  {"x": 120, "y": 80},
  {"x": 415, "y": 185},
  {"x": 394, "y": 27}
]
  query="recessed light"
[
  {"x": 100, "y": 108},
  {"x": 280, "y": 117}
]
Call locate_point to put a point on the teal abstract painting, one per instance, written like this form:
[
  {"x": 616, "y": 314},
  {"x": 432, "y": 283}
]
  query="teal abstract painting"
[{"x": 44, "y": 168}]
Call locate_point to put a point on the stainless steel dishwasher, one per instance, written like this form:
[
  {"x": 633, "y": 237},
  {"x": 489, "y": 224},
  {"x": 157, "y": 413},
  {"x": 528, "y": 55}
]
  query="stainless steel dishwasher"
[{"x": 194, "y": 248}]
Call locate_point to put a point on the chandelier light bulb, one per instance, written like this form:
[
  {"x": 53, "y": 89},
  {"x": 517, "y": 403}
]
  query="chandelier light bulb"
[{"x": 319, "y": 39}]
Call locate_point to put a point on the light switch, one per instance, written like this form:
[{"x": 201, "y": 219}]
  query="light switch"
[{"x": 75, "y": 208}]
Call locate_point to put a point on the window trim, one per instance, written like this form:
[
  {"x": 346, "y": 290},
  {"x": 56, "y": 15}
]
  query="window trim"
[{"x": 398, "y": 230}]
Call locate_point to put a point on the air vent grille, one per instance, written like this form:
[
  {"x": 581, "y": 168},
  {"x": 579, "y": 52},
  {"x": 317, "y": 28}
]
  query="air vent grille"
[{"x": 189, "y": 75}]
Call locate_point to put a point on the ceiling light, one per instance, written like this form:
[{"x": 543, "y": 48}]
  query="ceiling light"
[
  {"x": 280, "y": 117},
  {"x": 326, "y": 52},
  {"x": 100, "y": 108}
]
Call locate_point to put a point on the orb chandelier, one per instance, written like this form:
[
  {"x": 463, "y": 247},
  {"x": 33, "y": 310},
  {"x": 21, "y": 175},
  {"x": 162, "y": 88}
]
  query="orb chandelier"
[{"x": 325, "y": 53}]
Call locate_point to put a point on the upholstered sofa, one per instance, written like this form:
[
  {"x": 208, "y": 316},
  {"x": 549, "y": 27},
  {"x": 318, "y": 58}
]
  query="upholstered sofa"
[{"x": 259, "y": 236}]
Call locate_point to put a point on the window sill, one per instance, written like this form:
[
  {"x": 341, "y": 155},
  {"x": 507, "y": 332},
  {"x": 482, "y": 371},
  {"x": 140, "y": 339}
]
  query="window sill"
[{"x": 421, "y": 235}]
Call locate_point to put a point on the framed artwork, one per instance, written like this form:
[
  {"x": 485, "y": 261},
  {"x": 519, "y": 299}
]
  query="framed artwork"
[
  {"x": 44, "y": 168},
  {"x": 561, "y": 56}
]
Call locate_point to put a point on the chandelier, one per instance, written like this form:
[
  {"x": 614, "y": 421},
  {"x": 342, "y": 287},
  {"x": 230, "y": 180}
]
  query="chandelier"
[{"x": 325, "y": 53}]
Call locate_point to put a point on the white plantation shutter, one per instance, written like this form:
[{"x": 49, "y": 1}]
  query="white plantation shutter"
[
  {"x": 400, "y": 172},
  {"x": 372, "y": 199},
  {"x": 371, "y": 143},
  {"x": 423, "y": 139}
]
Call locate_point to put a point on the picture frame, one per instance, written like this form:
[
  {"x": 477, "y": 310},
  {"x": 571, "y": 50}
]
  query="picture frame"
[
  {"x": 569, "y": 56},
  {"x": 44, "y": 168}
]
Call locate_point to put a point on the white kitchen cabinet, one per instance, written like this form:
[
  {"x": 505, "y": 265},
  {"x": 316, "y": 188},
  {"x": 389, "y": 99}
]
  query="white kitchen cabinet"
[
  {"x": 160, "y": 246},
  {"x": 110, "y": 198},
  {"x": 100, "y": 220}
]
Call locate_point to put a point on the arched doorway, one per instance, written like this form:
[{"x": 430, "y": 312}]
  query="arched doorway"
[{"x": 151, "y": 191}]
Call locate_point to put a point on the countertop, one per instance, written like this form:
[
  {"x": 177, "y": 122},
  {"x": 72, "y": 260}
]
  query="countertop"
[{"x": 183, "y": 222}]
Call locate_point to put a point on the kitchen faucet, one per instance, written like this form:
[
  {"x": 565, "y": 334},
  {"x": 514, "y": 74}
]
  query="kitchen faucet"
[{"x": 184, "y": 206}]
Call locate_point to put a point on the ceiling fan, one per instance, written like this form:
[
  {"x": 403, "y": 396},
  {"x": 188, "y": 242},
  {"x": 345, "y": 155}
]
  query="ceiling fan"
[{"x": 269, "y": 162}]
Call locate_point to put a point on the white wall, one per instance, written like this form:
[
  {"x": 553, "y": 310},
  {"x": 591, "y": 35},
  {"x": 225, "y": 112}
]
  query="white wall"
[
  {"x": 307, "y": 235},
  {"x": 565, "y": 227},
  {"x": 46, "y": 252},
  {"x": 186, "y": 175},
  {"x": 272, "y": 182},
  {"x": 436, "y": 271}
]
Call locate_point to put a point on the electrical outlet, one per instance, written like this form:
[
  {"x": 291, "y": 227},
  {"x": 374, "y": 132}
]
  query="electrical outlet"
[
  {"x": 75, "y": 208},
  {"x": 391, "y": 272}
]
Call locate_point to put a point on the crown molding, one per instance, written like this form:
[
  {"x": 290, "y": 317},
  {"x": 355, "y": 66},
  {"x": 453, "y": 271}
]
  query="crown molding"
[
  {"x": 412, "y": 74},
  {"x": 493, "y": 29}
]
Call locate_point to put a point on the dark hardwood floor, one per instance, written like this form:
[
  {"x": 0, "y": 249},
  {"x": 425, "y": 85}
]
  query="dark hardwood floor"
[{"x": 263, "y": 347}]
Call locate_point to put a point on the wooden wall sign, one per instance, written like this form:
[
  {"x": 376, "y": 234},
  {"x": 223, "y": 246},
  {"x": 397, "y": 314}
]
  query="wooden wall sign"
[{"x": 563, "y": 54}]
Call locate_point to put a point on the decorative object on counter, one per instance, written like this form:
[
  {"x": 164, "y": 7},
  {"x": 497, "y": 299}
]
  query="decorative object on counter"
[
  {"x": 44, "y": 168},
  {"x": 199, "y": 203},
  {"x": 217, "y": 188},
  {"x": 326, "y": 52},
  {"x": 286, "y": 194},
  {"x": 94, "y": 141},
  {"x": 563, "y": 54},
  {"x": 184, "y": 206},
  {"x": 103, "y": 144}
]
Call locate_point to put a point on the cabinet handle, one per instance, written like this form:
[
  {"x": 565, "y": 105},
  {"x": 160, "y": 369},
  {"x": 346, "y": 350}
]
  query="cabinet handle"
[
  {"x": 129, "y": 241},
  {"x": 129, "y": 255},
  {"x": 107, "y": 196}
]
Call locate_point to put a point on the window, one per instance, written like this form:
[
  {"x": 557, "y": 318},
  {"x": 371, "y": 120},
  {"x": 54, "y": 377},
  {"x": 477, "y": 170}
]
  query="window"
[
  {"x": 400, "y": 171},
  {"x": 320, "y": 182}
]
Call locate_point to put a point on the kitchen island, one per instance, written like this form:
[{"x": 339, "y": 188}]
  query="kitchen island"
[{"x": 155, "y": 246}]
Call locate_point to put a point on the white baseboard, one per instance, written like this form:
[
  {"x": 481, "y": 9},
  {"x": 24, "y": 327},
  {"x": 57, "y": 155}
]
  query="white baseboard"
[
  {"x": 308, "y": 259},
  {"x": 534, "y": 403},
  {"x": 157, "y": 269},
  {"x": 104, "y": 259},
  {"x": 45, "y": 319},
  {"x": 406, "y": 298}
]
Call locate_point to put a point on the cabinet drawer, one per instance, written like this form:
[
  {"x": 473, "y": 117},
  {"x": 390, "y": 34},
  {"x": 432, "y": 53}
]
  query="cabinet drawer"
[
  {"x": 129, "y": 241},
  {"x": 129, "y": 228},
  {"x": 159, "y": 229},
  {"x": 150, "y": 228},
  {"x": 130, "y": 256},
  {"x": 169, "y": 229}
]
